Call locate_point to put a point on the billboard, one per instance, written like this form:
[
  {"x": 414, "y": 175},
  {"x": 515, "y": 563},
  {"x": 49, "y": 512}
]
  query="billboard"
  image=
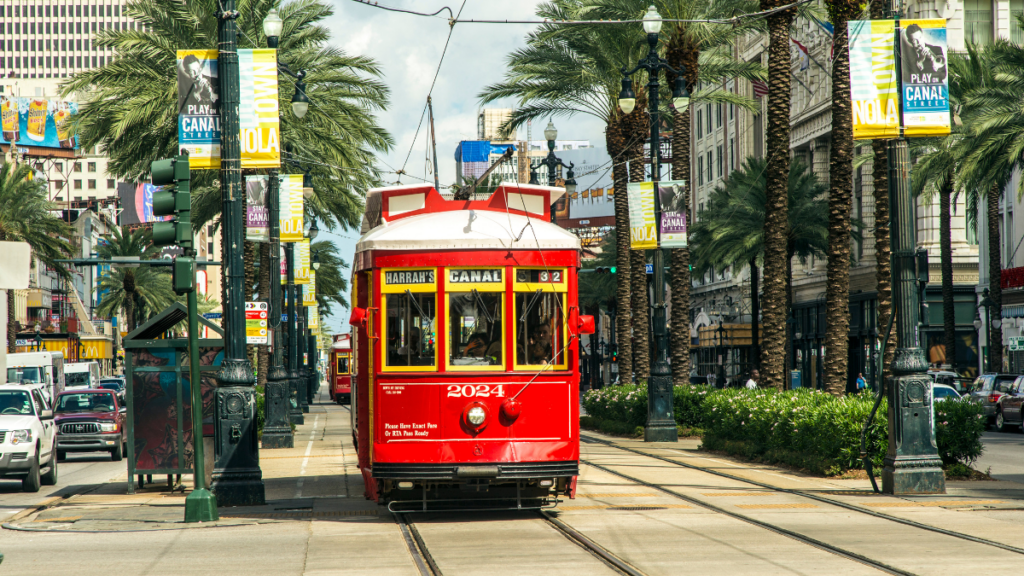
[
  {"x": 137, "y": 203},
  {"x": 258, "y": 113},
  {"x": 925, "y": 75},
  {"x": 44, "y": 122},
  {"x": 874, "y": 89},
  {"x": 290, "y": 201},
  {"x": 594, "y": 197},
  {"x": 198, "y": 108},
  {"x": 257, "y": 215},
  {"x": 643, "y": 232}
]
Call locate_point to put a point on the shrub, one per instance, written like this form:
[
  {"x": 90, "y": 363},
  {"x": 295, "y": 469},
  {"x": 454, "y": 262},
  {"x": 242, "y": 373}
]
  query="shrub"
[
  {"x": 958, "y": 429},
  {"x": 627, "y": 404}
]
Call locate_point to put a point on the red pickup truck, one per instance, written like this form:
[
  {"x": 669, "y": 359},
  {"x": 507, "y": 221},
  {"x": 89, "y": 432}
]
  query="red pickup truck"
[{"x": 90, "y": 420}]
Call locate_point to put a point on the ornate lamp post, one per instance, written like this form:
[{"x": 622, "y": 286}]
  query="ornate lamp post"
[
  {"x": 661, "y": 425},
  {"x": 309, "y": 341},
  {"x": 237, "y": 478},
  {"x": 553, "y": 162}
]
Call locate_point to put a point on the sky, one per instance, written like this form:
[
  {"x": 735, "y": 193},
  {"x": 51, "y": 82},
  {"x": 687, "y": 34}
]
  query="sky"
[{"x": 408, "y": 49}]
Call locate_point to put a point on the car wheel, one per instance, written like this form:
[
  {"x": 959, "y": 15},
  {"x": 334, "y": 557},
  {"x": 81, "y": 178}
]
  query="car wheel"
[
  {"x": 32, "y": 482},
  {"x": 1001, "y": 424},
  {"x": 117, "y": 454},
  {"x": 50, "y": 478}
]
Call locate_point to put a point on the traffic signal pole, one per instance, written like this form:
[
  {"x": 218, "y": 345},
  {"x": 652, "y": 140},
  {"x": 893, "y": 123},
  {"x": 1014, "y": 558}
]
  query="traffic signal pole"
[{"x": 237, "y": 478}]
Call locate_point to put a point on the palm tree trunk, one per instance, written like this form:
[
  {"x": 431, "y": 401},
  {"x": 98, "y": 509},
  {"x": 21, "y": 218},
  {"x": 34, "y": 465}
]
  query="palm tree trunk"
[
  {"x": 755, "y": 311},
  {"x": 995, "y": 290},
  {"x": 679, "y": 272},
  {"x": 263, "y": 365},
  {"x": 883, "y": 251},
  {"x": 946, "y": 255},
  {"x": 11, "y": 336},
  {"x": 638, "y": 280},
  {"x": 776, "y": 222},
  {"x": 129, "y": 311},
  {"x": 840, "y": 196},
  {"x": 623, "y": 321}
]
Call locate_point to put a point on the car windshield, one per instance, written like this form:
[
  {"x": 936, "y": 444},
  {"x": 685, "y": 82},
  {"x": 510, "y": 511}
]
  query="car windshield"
[
  {"x": 88, "y": 402},
  {"x": 111, "y": 386},
  {"x": 941, "y": 393},
  {"x": 76, "y": 379},
  {"x": 15, "y": 402},
  {"x": 32, "y": 374}
]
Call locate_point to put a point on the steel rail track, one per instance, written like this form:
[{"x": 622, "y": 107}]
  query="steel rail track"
[
  {"x": 770, "y": 527},
  {"x": 602, "y": 554},
  {"x": 417, "y": 548},
  {"x": 817, "y": 497}
]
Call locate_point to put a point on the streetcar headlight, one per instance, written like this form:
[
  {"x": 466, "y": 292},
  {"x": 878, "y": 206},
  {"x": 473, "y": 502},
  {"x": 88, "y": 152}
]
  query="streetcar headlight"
[{"x": 476, "y": 415}]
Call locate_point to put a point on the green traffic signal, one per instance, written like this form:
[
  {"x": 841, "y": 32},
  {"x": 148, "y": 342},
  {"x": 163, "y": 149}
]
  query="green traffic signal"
[
  {"x": 174, "y": 199},
  {"x": 612, "y": 269}
]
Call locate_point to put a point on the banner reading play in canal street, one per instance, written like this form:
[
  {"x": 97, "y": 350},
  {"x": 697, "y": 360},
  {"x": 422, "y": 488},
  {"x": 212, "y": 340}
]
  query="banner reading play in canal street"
[
  {"x": 925, "y": 72},
  {"x": 874, "y": 89},
  {"x": 643, "y": 232},
  {"x": 199, "y": 108}
]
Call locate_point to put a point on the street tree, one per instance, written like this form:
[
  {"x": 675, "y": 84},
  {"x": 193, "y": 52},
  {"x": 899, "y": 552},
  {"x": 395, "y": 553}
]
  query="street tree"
[{"x": 136, "y": 292}]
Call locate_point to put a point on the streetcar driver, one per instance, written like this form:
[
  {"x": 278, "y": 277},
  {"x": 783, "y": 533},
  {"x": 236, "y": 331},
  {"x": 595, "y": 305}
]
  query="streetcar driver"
[{"x": 540, "y": 344}]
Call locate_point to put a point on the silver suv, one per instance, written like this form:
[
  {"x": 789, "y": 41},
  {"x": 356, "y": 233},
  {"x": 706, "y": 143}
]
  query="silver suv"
[
  {"x": 986, "y": 391},
  {"x": 27, "y": 439}
]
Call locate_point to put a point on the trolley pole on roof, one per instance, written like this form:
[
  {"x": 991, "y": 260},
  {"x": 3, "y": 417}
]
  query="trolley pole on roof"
[
  {"x": 433, "y": 142},
  {"x": 237, "y": 478},
  {"x": 661, "y": 424}
]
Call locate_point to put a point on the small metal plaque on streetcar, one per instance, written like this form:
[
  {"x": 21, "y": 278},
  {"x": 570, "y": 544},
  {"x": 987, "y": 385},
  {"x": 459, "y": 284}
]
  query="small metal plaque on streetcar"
[
  {"x": 546, "y": 276},
  {"x": 474, "y": 276},
  {"x": 409, "y": 277}
]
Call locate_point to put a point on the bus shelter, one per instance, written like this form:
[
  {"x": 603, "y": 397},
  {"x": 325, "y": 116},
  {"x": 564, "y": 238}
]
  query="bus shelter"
[{"x": 159, "y": 394}]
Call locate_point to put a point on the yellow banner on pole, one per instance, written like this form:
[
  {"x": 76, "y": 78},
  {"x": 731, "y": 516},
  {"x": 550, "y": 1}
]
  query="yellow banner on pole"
[
  {"x": 291, "y": 207},
  {"x": 874, "y": 90},
  {"x": 258, "y": 109},
  {"x": 309, "y": 290},
  {"x": 643, "y": 229},
  {"x": 302, "y": 261}
]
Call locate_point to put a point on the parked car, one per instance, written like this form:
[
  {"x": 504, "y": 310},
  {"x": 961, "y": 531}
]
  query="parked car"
[
  {"x": 986, "y": 391},
  {"x": 27, "y": 436},
  {"x": 950, "y": 379},
  {"x": 1008, "y": 406},
  {"x": 944, "y": 392},
  {"x": 118, "y": 386},
  {"x": 90, "y": 420}
]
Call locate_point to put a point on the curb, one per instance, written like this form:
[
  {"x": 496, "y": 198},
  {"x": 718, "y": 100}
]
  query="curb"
[{"x": 49, "y": 503}]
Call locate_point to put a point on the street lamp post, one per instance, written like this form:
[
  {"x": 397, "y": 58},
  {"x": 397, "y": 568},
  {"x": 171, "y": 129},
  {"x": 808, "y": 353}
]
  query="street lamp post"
[
  {"x": 311, "y": 340},
  {"x": 990, "y": 327},
  {"x": 661, "y": 425},
  {"x": 552, "y": 162},
  {"x": 237, "y": 478}
]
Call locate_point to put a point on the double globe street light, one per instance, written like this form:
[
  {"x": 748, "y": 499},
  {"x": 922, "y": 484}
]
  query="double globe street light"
[
  {"x": 661, "y": 426},
  {"x": 552, "y": 162}
]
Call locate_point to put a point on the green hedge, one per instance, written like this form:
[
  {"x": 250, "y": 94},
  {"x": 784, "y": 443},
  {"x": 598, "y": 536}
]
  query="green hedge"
[{"x": 802, "y": 428}]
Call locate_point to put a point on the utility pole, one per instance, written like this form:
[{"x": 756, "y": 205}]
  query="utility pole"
[{"x": 237, "y": 478}]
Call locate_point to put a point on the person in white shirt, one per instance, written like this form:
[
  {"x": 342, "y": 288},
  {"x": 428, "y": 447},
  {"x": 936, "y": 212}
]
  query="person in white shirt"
[{"x": 752, "y": 382}]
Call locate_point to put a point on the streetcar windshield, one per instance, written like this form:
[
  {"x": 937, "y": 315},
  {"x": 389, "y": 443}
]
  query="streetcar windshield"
[
  {"x": 475, "y": 328},
  {"x": 343, "y": 364},
  {"x": 539, "y": 328},
  {"x": 410, "y": 329}
]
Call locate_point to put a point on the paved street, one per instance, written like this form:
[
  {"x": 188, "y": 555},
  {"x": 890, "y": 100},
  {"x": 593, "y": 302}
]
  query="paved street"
[
  {"x": 1004, "y": 454},
  {"x": 75, "y": 475}
]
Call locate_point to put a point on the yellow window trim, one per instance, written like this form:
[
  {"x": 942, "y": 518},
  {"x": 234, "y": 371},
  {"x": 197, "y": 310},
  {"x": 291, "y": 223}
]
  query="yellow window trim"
[
  {"x": 347, "y": 357},
  {"x": 448, "y": 330},
  {"x": 535, "y": 367},
  {"x": 384, "y": 339},
  {"x": 542, "y": 286},
  {"x": 386, "y": 288}
]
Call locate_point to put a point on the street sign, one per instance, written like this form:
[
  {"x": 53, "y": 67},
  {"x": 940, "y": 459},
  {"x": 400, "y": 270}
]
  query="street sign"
[
  {"x": 212, "y": 315},
  {"x": 256, "y": 322},
  {"x": 1017, "y": 344},
  {"x": 649, "y": 268}
]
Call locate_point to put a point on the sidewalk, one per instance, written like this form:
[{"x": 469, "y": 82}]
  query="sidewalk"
[{"x": 318, "y": 478}]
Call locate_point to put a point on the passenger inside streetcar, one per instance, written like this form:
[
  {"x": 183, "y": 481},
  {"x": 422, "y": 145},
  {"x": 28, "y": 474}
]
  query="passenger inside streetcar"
[
  {"x": 540, "y": 330},
  {"x": 410, "y": 319},
  {"x": 475, "y": 328}
]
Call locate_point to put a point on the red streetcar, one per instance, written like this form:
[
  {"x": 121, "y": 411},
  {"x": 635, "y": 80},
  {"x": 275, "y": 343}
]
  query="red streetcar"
[
  {"x": 341, "y": 377},
  {"x": 466, "y": 342}
]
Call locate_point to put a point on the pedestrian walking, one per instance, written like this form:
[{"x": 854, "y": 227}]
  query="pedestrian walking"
[
  {"x": 752, "y": 382},
  {"x": 861, "y": 382}
]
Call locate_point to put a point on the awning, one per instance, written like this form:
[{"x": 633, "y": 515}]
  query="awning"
[{"x": 1013, "y": 311}]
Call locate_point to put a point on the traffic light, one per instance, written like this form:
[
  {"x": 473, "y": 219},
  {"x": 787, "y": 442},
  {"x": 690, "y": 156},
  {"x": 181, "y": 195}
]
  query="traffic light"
[
  {"x": 605, "y": 269},
  {"x": 615, "y": 352},
  {"x": 174, "y": 199}
]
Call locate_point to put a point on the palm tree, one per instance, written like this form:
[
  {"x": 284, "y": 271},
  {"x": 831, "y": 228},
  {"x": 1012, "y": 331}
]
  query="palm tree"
[
  {"x": 840, "y": 197},
  {"x": 132, "y": 107},
  {"x": 138, "y": 292},
  {"x": 568, "y": 70},
  {"x": 25, "y": 217},
  {"x": 331, "y": 285},
  {"x": 731, "y": 231}
]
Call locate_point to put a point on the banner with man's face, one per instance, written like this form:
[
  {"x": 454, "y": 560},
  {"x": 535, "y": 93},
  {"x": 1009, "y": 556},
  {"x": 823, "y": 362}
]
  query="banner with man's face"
[
  {"x": 198, "y": 108},
  {"x": 673, "y": 213},
  {"x": 924, "y": 72},
  {"x": 257, "y": 214}
]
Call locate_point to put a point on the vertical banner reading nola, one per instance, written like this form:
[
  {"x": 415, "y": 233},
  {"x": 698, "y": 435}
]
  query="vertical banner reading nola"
[
  {"x": 309, "y": 290},
  {"x": 198, "y": 99},
  {"x": 302, "y": 262},
  {"x": 257, "y": 216},
  {"x": 291, "y": 207},
  {"x": 925, "y": 74},
  {"x": 673, "y": 213},
  {"x": 314, "y": 319},
  {"x": 258, "y": 112},
  {"x": 643, "y": 232},
  {"x": 874, "y": 89}
]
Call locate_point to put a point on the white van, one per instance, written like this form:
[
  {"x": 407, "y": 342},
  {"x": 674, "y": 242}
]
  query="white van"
[
  {"x": 81, "y": 375},
  {"x": 45, "y": 368}
]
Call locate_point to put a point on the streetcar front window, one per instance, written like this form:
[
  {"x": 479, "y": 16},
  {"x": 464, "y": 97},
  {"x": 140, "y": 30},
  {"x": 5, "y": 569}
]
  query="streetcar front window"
[
  {"x": 342, "y": 365},
  {"x": 539, "y": 329},
  {"x": 410, "y": 329},
  {"x": 475, "y": 328}
]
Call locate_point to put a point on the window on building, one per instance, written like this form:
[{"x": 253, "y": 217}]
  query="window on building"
[
  {"x": 758, "y": 137},
  {"x": 92, "y": 166},
  {"x": 92, "y": 184},
  {"x": 718, "y": 159},
  {"x": 700, "y": 125},
  {"x": 711, "y": 171},
  {"x": 59, "y": 166},
  {"x": 94, "y": 10},
  {"x": 63, "y": 10},
  {"x": 732, "y": 110},
  {"x": 978, "y": 21},
  {"x": 718, "y": 117},
  {"x": 78, "y": 184},
  {"x": 111, "y": 184},
  {"x": 78, "y": 167},
  {"x": 117, "y": 10},
  {"x": 709, "y": 118},
  {"x": 58, "y": 184},
  {"x": 700, "y": 171},
  {"x": 732, "y": 155},
  {"x": 109, "y": 10}
]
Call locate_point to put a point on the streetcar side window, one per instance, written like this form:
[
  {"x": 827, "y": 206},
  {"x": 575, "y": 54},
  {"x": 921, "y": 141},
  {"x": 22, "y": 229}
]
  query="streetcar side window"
[
  {"x": 540, "y": 329},
  {"x": 410, "y": 328},
  {"x": 475, "y": 328},
  {"x": 343, "y": 364}
]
